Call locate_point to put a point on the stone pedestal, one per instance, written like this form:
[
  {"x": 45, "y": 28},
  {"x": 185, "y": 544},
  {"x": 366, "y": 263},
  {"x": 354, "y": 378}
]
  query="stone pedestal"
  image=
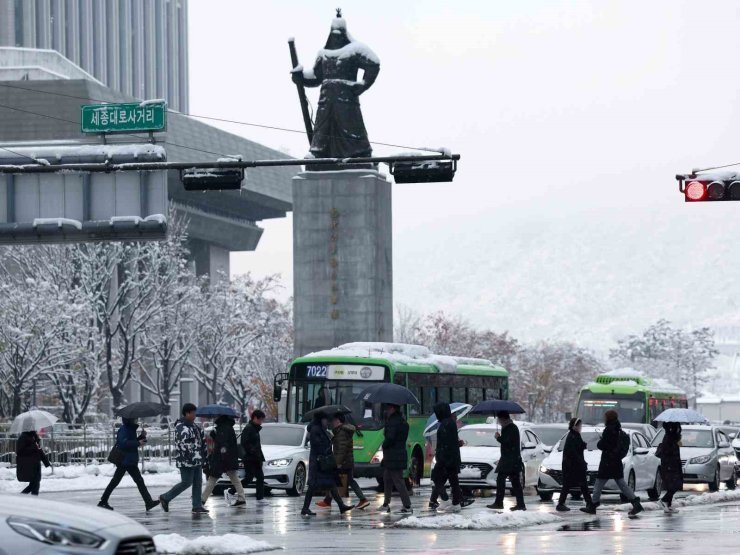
[{"x": 342, "y": 259}]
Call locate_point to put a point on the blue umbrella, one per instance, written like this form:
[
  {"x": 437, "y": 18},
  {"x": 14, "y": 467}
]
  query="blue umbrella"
[
  {"x": 495, "y": 406},
  {"x": 461, "y": 409},
  {"x": 682, "y": 416},
  {"x": 216, "y": 410}
]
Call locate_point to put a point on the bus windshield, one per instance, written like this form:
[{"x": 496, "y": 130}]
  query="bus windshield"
[
  {"x": 592, "y": 406},
  {"x": 306, "y": 395}
]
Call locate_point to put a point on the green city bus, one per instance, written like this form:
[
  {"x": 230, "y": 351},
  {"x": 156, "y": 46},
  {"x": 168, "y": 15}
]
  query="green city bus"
[
  {"x": 635, "y": 397},
  {"x": 339, "y": 375}
]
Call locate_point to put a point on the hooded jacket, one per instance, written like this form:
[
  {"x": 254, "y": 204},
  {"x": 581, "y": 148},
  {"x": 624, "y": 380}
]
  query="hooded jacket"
[
  {"x": 252, "y": 445},
  {"x": 395, "y": 455},
  {"x": 574, "y": 462},
  {"x": 343, "y": 444},
  {"x": 611, "y": 467},
  {"x": 448, "y": 442},
  {"x": 128, "y": 442},
  {"x": 225, "y": 454},
  {"x": 320, "y": 447},
  {"x": 190, "y": 444}
]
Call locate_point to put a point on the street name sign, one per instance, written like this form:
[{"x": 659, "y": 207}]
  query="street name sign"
[{"x": 124, "y": 118}]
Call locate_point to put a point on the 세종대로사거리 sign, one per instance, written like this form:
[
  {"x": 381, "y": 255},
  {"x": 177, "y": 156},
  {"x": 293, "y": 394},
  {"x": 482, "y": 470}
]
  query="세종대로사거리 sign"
[{"x": 123, "y": 118}]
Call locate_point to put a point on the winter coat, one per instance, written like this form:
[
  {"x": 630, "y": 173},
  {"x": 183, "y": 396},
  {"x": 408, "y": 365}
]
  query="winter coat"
[
  {"x": 252, "y": 445},
  {"x": 574, "y": 463},
  {"x": 395, "y": 456},
  {"x": 669, "y": 453},
  {"x": 28, "y": 456},
  {"x": 320, "y": 447},
  {"x": 611, "y": 467},
  {"x": 343, "y": 444},
  {"x": 511, "y": 451},
  {"x": 190, "y": 445},
  {"x": 128, "y": 442},
  {"x": 225, "y": 457},
  {"x": 448, "y": 443}
]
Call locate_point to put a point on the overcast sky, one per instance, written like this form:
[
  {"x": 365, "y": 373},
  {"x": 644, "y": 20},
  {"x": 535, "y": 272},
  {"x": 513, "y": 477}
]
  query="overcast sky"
[{"x": 555, "y": 107}]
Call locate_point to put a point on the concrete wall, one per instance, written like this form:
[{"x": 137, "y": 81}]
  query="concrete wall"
[
  {"x": 720, "y": 411},
  {"x": 342, "y": 259}
]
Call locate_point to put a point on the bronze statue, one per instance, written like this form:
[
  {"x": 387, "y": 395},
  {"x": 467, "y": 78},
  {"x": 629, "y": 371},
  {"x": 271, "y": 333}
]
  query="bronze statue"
[{"x": 339, "y": 130}]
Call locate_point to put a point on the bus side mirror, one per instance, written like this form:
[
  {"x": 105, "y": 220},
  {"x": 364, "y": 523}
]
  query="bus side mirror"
[{"x": 277, "y": 393}]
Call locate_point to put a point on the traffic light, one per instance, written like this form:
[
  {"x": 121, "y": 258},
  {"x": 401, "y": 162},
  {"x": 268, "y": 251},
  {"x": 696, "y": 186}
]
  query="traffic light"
[
  {"x": 702, "y": 190},
  {"x": 425, "y": 171},
  {"x": 212, "y": 179}
]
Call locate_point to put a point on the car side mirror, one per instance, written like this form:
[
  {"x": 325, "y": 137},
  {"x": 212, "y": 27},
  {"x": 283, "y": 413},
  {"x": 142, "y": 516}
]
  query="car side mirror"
[
  {"x": 548, "y": 449},
  {"x": 641, "y": 451},
  {"x": 529, "y": 445},
  {"x": 724, "y": 445}
]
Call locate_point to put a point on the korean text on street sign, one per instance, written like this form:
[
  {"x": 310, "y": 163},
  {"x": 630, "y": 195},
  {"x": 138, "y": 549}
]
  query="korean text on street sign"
[{"x": 123, "y": 118}]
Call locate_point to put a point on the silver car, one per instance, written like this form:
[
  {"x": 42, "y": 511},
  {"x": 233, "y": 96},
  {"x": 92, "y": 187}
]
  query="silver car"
[
  {"x": 31, "y": 526},
  {"x": 706, "y": 455}
]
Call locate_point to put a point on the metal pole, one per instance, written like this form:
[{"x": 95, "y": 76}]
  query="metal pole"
[
  {"x": 52, "y": 448},
  {"x": 84, "y": 443}
]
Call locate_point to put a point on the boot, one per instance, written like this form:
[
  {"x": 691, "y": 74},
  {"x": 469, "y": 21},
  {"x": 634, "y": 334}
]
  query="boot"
[
  {"x": 104, "y": 505},
  {"x": 307, "y": 512},
  {"x": 151, "y": 504},
  {"x": 636, "y": 507},
  {"x": 346, "y": 508},
  {"x": 590, "y": 508},
  {"x": 562, "y": 508}
]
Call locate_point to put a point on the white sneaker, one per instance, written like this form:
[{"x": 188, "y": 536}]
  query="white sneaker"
[
  {"x": 672, "y": 510},
  {"x": 229, "y": 498}
]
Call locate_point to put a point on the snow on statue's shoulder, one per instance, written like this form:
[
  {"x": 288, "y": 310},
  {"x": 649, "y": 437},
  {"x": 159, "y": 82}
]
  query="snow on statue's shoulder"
[{"x": 349, "y": 50}]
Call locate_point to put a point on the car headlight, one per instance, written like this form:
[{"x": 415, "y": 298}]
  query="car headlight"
[
  {"x": 701, "y": 460},
  {"x": 544, "y": 469},
  {"x": 280, "y": 462},
  {"x": 378, "y": 456},
  {"x": 54, "y": 534}
]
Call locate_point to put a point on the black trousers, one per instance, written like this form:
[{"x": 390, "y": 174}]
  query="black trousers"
[
  {"x": 516, "y": 488},
  {"x": 668, "y": 497},
  {"x": 312, "y": 490},
  {"x": 253, "y": 471},
  {"x": 135, "y": 474},
  {"x": 35, "y": 484},
  {"x": 351, "y": 484},
  {"x": 569, "y": 485},
  {"x": 440, "y": 477}
]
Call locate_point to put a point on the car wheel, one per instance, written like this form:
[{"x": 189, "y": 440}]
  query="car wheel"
[
  {"x": 631, "y": 481},
  {"x": 654, "y": 492},
  {"x": 299, "y": 481},
  {"x": 546, "y": 495},
  {"x": 714, "y": 484}
]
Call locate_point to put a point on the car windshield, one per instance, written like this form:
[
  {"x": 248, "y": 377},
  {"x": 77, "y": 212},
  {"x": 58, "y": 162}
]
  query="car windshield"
[
  {"x": 690, "y": 438},
  {"x": 591, "y": 439},
  {"x": 475, "y": 437},
  {"x": 281, "y": 435},
  {"x": 549, "y": 436}
]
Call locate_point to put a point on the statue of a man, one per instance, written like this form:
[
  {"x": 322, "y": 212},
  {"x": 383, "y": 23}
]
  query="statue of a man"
[{"x": 339, "y": 130}]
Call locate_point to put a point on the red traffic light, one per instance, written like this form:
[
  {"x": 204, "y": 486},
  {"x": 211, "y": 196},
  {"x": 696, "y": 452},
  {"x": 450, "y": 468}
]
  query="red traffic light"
[{"x": 695, "y": 191}]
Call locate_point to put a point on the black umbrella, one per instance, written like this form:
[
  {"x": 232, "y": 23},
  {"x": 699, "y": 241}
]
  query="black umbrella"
[
  {"x": 389, "y": 393},
  {"x": 328, "y": 410},
  {"x": 142, "y": 410},
  {"x": 495, "y": 406}
]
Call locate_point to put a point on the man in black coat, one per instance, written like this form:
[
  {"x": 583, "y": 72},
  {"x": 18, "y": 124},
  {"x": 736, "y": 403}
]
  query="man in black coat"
[
  {"x": 395, "y": 458},
  {"x": 253, "y": 456},
  {"x": 671, "y": 469},
  {"x": 224, "y": 460},
  {"x": 510, "y": 464},
  {"x": 575, "y": 469},
  {"x": 614, "y": 445},
  {"x": 448, "y": 462}
]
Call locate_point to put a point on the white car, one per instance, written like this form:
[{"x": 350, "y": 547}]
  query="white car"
[
  {"x": 286, "y": 451},
  {"x": 736, "y": 447},
  {"x": 640, "y": 466},
  {"x": 481, "y": 452},
  {"x": 29, "y": 524}
]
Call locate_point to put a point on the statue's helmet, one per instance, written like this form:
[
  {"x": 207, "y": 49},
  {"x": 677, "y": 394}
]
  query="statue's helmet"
[{"x": 338, "y": 36}]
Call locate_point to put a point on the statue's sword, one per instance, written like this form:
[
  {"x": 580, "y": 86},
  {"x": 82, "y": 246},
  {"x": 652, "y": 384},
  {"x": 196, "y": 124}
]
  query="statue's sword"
[{"x": 301, "y": 93}]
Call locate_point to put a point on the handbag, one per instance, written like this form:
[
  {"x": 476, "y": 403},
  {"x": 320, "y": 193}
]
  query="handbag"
[
  {"x": 116, "y": 456},
  {"x": 327, "y": 463}
]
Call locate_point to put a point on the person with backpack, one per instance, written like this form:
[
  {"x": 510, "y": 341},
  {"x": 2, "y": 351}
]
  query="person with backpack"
[
  {"x": 671, "y": 469},
  {"x": 574, "y": 465},
  {"x": 448, "y": 459},
  {"x": 224, "y": 460},
  {"x": 614, "y": 445},
  {"x": 128, "y": 442},
  {"x": 510, "y": 464}
]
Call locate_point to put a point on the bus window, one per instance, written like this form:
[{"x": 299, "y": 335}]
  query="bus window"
[
  {"x": 475, "y": 395},
  {"x": 415, "y": 410},
  {"x": 491, "y": 393},
  {"x": 443, "y": 395},
  {"x": 400, "y": 379},
  {"x": 458, "y": 395},
  {"x": 428, "y": 399}
]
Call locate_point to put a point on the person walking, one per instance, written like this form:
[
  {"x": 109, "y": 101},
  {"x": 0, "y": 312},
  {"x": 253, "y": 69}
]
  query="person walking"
[
  {"x": 614, "y": 445},
  {"x": 574, "y": 465},
  {"x": 191, "y": 452},
  {"x": 510, "y": 464},
  {"x": 343, "y": 444},
  {"x": 253, "y": 456},
  {"x": 29, "y": 457},
  {"x": 395, "y": 458},
  {"x": 128, "y": 442},
  {"x": 671, "y": 470},
  {"x": 224, "y": 460},
  {"x": 448, "y": 459},
  {"x": 321, "y": 466}
]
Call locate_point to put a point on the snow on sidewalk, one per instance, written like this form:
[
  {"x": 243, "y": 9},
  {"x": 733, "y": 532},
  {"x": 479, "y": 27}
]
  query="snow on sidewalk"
[
  {"x": 209, "y": 545},
  {"x": 90, "y": 477},
  {"x": 481, "y": 520},
  {"x": 689, "y": 501}
]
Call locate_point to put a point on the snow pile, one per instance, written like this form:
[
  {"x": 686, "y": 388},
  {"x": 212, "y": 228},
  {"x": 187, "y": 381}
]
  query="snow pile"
[
  {"x": 480, "y": 521},
  {"x": 624, "y": 373},
  {"x": 400, "y": 353},
  {"x": 690, "y": 501},
  {"x": 211, "y": 545}
]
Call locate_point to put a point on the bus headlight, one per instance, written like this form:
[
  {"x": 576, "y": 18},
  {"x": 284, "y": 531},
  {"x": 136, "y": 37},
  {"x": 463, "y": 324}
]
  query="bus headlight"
[{"x": 378, "y": 456}]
